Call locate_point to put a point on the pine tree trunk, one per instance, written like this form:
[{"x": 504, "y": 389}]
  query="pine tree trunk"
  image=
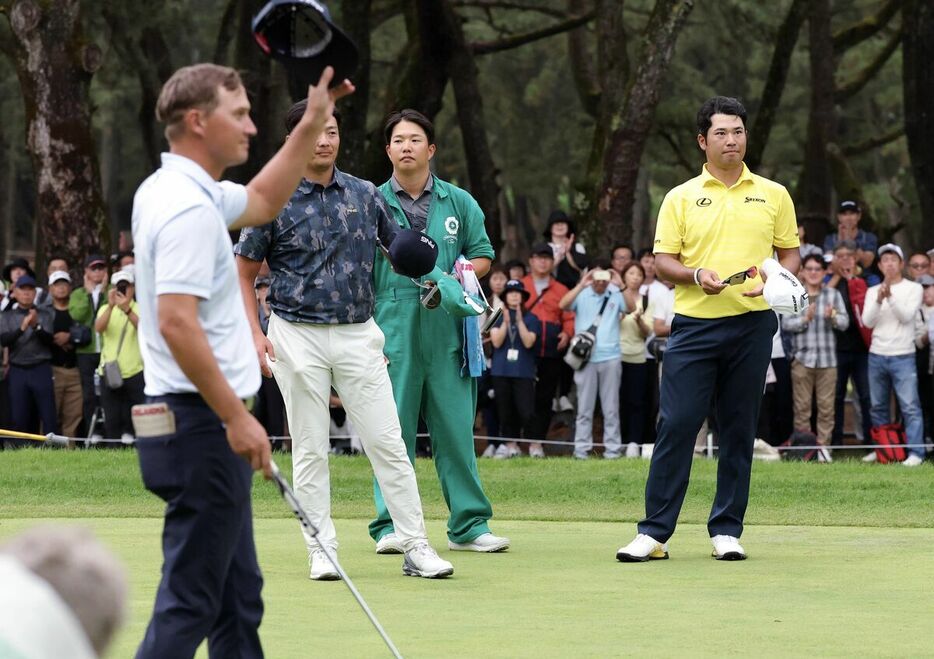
[
  {"x": 480, "y": 166},
  {"x": 918, "y": 80},
  {"x": 55, "y": 63},
  {"x": 813, "y": 203},
  {"x": 631, "y": 123},
  {"x": 355, "y": 21}
]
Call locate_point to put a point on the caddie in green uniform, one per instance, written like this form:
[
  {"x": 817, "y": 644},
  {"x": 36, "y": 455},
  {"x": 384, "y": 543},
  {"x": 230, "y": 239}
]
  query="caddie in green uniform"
[{"x": 425, "y": 346}]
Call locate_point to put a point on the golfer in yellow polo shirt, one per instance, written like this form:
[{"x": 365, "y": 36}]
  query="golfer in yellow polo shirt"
[{"x": 710, "y": 231}]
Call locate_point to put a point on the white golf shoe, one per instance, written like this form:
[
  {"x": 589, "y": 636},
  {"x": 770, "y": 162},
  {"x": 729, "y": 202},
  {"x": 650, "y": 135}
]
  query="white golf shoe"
[
  {"x": 423, "y": 561},
  {"x": 389, "y": 544},
  {"x": 642, "y": 548},
  {"x": 727, "y": 548},
  {"x": 486, "y": 543},
  {"x": 322, "y": 569},
  {"x": 913, "y": 461}
]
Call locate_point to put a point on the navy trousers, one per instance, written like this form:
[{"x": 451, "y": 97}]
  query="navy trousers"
[
  {"x": 723, "y": 360},
  {"x": 211, "y": 581},
  {"x": 32, "y": 399}
]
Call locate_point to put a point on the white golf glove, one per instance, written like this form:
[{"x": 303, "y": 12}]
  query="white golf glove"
[{"x": 783, "y": 291}]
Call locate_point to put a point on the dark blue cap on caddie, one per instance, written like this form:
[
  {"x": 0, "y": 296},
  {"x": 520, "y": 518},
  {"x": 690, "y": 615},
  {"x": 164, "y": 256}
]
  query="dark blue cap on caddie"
[
  {"x": 302, "y": 35},
  {"x": 412, "y": 253}
]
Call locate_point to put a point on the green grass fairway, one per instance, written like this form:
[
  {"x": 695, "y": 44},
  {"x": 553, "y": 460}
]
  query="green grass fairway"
[{"x": 840, "y": 562}]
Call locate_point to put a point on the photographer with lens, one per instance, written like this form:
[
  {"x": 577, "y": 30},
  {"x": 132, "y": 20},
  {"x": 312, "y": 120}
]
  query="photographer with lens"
[
  {"x": 594, "y": 354},
  {"x": 121, "y": 368}
]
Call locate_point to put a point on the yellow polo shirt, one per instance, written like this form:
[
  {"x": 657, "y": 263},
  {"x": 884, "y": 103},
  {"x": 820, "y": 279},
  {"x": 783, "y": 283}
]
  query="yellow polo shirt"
[{"x": 726, "y": 230}]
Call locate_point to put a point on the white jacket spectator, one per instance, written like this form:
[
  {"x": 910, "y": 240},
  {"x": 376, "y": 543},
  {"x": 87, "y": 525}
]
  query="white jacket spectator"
[{"x": 893, "y": 319}]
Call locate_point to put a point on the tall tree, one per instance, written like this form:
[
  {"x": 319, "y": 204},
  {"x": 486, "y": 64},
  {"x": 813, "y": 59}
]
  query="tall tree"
[
  {"x": 356, "y": 22},
  {"x": 418, "y": 79},
  {"x": 813, "y": 202},
  {"x": 55, "y": 63},
  {"x": 626, "y": 111},
  {"x": 918, "y": 81},
  {"x": 785, "y": 41}
]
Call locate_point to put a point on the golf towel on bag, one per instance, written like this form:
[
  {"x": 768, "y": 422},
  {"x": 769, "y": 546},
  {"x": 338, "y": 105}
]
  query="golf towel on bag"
[{"x": 474, "y": 363}]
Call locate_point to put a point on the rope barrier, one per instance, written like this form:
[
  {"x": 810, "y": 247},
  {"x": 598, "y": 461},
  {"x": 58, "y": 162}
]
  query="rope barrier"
[{"x": 61, "y": 440}]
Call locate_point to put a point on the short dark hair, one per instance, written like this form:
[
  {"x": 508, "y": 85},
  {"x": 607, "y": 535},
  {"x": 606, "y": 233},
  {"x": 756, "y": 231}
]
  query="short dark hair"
[
  {"x": 515, "y": 263},
  {"x": 630, "y": 266},
  {"x": 718, "y": 105},
  {"x": 415, "y": 117},
  {"x": 845, "y": 244},
  {"x": 645, "y": 251},
  {"x": 621, "y": 246},
  {"x": 814, "y": 257},
  {"x": 295, "y": 113},
  {"x": 603, "y": 264}
]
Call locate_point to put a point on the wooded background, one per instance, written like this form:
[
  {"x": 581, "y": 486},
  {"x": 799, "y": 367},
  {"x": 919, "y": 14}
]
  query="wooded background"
[{"x": 584, "y": 105}]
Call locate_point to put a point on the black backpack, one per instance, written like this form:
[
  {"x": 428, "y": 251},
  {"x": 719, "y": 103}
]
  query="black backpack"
[{"x": 800, "y": 438}]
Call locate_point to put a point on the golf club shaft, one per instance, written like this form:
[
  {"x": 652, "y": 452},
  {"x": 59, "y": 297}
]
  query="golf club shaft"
[
  {"x": 52, "y": 438},
  {"x": 291, "y": 499}
]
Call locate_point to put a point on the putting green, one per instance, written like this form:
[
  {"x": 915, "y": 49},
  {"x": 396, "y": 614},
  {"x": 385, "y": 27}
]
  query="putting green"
[{"x": 828, "y": 591}]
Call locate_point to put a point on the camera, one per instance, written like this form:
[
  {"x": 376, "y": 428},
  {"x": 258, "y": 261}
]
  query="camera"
[{"x": 122, "y": 287}]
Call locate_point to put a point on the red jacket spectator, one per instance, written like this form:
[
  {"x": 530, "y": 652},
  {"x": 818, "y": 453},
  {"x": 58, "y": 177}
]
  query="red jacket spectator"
[{"x": 545, "y": 308}]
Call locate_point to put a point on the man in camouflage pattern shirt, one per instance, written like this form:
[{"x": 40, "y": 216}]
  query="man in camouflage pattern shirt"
[{"x": 320, "y": 251}]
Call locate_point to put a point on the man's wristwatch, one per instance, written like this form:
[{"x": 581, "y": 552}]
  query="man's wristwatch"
[{"x": 697, "y": 276}]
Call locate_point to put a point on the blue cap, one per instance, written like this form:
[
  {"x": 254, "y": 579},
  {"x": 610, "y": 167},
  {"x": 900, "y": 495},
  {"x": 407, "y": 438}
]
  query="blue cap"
[
  {"x": 24, "y": 281},
  {"x": 412, "y": 253}
]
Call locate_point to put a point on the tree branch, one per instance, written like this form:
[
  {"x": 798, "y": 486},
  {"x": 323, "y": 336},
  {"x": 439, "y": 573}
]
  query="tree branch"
[
  {"x": 859, "y": 32},
  {"x": 860, "y": 148},
  {"x": 679, "y": 154},
  {"x": 775, "y": 81},
  {"x": 487, "y": 47},
  {"x": 504, "y": 4},
  {"x": 583, "y": 68},
  {"x": 849, "y": 89}
]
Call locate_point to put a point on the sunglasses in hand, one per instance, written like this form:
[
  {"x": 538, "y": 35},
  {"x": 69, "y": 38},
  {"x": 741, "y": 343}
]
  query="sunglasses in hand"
[{"x": 740, "y": 277}]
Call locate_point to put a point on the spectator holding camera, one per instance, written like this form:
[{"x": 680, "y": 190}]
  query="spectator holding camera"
[
  {"x": 85, "y": 302},
  {"x": 121, "y": 368},
  {"x": 513, "y": 368},
  {"x": 597, "y": 301},
  {"x": 27, "y": 332},
  {"x": 67, "y": 336}
]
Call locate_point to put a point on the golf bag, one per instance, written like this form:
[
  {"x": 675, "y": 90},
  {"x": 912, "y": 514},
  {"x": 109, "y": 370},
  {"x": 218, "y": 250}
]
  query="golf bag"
[
  {"x": 890, "y": 443},
  {"x": 803, "y": 439}
]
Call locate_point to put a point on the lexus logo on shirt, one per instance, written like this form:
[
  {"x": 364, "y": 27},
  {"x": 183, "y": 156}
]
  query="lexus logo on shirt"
[{"x": 703, "y": 201}]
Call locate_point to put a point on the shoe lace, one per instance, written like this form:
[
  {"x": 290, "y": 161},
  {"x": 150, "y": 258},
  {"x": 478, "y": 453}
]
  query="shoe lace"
[
  {"x": 423, "y": 549},
  {"x": 320, "y": 555}
]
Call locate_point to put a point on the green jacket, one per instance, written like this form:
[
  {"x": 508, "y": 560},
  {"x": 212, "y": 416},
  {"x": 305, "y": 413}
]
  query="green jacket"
[
  {"x": 455, "y": 221},
  {"x": 82, "y": 310}
]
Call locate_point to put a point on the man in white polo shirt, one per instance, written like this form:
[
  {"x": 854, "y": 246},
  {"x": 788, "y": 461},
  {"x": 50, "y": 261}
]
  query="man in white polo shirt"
[
  {"x": 198, "y": 351},
  {"x": 890, "y": 309}
]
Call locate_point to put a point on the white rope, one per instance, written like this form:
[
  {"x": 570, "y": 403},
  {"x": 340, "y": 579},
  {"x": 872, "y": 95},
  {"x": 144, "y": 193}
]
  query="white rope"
[{"x": 88, "y": 442}]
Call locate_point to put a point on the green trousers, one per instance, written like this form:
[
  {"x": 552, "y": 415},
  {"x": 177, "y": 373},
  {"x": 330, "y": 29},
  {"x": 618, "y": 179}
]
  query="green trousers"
[{"x": 423, "y": 348}]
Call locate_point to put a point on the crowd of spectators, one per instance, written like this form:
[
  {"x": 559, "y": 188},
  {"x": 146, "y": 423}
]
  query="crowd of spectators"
[
  {"x": 56, "y": 343},
  {"x": 870, "y": 322},
  {"x": 72, "y": 365}
]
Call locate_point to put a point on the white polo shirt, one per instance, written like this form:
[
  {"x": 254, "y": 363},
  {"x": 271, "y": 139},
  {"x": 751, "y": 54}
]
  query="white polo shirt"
[{"x": 181, "y": 244}]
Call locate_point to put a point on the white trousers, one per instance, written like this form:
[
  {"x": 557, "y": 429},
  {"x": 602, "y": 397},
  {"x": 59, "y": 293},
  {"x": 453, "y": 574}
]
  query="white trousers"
[{"x": 310, "y": 359}]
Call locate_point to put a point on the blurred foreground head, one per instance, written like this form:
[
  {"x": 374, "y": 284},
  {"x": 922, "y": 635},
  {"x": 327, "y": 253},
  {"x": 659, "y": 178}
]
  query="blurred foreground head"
[{"x": 62, "y": 576}]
